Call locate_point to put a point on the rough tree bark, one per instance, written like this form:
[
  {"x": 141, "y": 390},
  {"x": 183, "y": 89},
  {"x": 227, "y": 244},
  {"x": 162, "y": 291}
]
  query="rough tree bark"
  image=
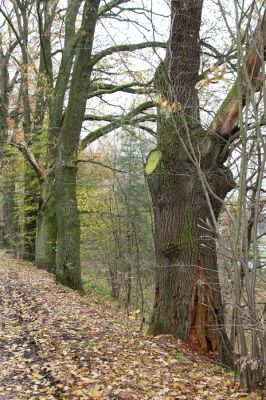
[
  {"x": 9, "y": 230},
  {"x": 45, "y": 256},
  {"x": 186, "y": 186},
  {"x": 30, "y": 181},
  {"x": 68, "y": 228},
  {"x": 45, "y": 244}
]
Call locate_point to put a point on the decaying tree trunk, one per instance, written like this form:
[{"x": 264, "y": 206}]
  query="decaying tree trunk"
[
  {"x": 188, "y": 187},
  {"x": 187, "y": 300}
]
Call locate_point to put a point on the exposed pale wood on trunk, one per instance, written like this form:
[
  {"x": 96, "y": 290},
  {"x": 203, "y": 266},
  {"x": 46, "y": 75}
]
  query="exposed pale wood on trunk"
[
  {"x": 203, "y": 330},
  {"x": 227, "y": 116}
]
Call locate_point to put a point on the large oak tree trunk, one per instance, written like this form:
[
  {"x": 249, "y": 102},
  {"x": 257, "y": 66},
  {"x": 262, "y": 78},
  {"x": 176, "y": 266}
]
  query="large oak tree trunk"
[{"x": 187, "y": 297}]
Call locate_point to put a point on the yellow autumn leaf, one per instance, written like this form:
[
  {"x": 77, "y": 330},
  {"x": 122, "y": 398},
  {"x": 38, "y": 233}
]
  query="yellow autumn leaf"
[
  {"x": 223, "y": 69},
  {"x": 79, "y": 392},
  {"x": 173, "y": 106},
  {"x": 159, "y": 99},
  {"x": 213, "y": 67},
  {"x": 152, "y": 161},
  {"x": 95, "y": 394}
]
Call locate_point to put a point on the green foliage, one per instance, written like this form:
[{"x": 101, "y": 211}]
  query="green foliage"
[
  {"x": 117, "y": 241},
  {"x": 39, "y": 144},
  {"x": 98, "y": 288},
  {"x": 180, "y": 357},
  {"x": 93, "y": 207}
]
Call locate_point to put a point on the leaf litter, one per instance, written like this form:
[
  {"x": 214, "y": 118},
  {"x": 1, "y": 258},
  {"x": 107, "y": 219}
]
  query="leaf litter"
[{"x": 57, "y": 344}]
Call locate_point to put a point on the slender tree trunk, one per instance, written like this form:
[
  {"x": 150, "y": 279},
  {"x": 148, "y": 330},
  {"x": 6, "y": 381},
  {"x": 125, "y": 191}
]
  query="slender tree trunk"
[
  {"x": 10, "y": 227},
  {"x": 113, "y": 278},
  {"x": 68, "y": 227},
  {"x": 10, "y": 219},
  {"x": 45, "y": 252},
  {"x": 47, "y": 225},
  {"x": 30, "y": 181},
  {"x": 30, "y": 214}
]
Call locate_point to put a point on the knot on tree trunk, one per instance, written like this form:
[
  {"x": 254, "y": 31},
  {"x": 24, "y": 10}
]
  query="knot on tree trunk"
[{"x": 221, "y": 182}]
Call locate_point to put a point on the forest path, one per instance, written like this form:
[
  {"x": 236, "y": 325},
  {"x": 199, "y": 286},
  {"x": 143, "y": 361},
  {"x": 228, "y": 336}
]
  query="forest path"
[{"x": 56, "y": 344}]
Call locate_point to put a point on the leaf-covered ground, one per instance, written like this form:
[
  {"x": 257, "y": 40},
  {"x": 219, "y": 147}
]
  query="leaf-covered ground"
[{"x": 56, "y": 344}]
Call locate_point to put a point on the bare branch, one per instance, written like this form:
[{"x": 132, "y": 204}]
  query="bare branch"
[
  {"x": 124, "y": 47},
  {"x": 127, "y": 87},
  {"x": 89, "y": 160},
  {"x": 127, "y": 119},
  {"x": 108, "y": 6}
]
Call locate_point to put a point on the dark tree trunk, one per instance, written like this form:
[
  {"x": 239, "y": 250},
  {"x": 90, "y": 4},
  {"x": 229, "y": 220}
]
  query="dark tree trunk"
[
  {"x": 45, "y": 243},
  {"x": 11, "y": 226},
  {"x": 187, "y": 296},
  {"x": 45, "y": 256},
  {"x": 114, "y": 282},
  {"x": 45, "y": 252},
  {"x": 68, "y": 227},
  {"x": 30, "y": 214}
]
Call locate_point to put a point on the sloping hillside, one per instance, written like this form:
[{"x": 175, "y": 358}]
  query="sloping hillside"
[{"x": 56, "y": 344}]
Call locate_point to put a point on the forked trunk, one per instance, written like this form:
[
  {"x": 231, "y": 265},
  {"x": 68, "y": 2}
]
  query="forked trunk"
[{"x": 188, "y": 298}]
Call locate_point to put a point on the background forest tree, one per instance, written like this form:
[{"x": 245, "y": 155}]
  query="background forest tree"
[{"x": 47, "y": 106}]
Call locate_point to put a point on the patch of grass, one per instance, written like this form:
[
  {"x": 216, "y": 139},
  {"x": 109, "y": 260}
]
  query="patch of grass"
[
  {"x": 223, "y": 369},
  {"x": 89, "y": 345},
  {"x": 180, "y": 357},
  {"x": 97, "y": 288}
]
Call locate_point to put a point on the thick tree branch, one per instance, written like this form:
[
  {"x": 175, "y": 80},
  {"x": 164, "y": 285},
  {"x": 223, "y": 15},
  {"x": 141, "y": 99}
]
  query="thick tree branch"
[
  {"x": 70, "y": 41},
  {"x": 127, "y": 88},
  {"x": 227, "y": 116},
  {"x": 127, "y": 119},
  {"x": 106, "y": 118},
  {"x": 124, "y": 47},
  {"x": 108, "y": 6},
  {"x": 25, "y": 150}
]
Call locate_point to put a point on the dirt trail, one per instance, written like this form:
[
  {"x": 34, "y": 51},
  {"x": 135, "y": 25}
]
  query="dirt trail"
[{"x": 56, "y": 344}]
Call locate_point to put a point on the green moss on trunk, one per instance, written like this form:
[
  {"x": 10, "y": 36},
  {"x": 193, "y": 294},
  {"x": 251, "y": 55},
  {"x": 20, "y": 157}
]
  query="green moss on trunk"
[{"x": 46, "y": 230}]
